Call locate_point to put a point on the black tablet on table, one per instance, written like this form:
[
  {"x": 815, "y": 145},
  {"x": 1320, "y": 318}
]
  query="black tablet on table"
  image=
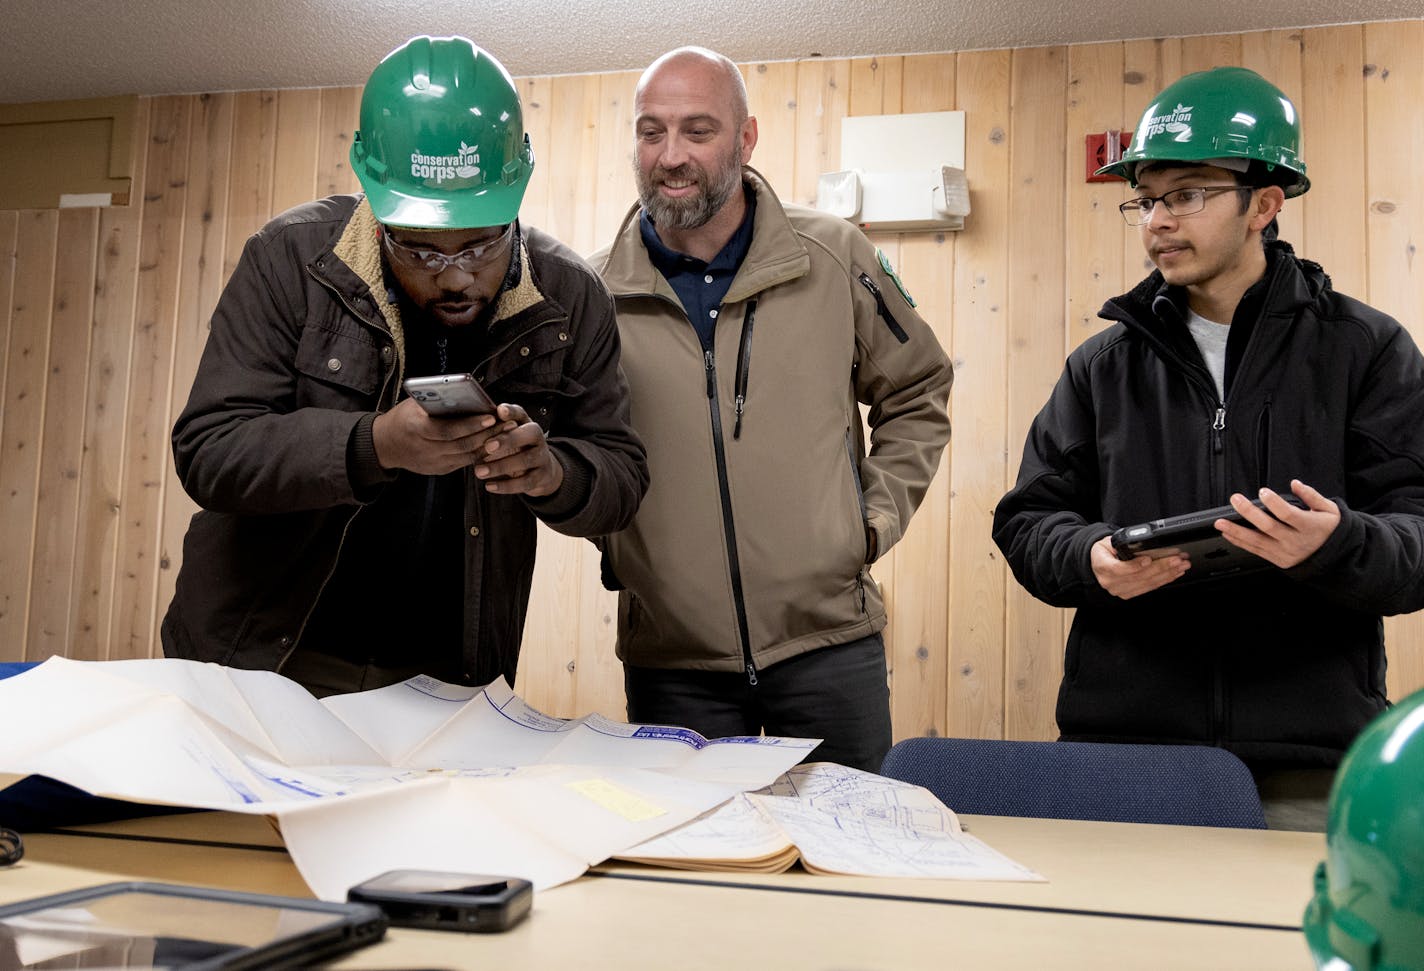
[{"x": 158, "y": 925}]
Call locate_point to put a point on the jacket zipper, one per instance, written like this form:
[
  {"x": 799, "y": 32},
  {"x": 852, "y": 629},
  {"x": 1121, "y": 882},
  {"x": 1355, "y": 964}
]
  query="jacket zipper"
[
  {"x": 738, "y": 600},
  {"x": 381, "y": 395},
  {"x": 884, "y": 311},
  {"x": 744, "y": 364},
  {"x": 297, "y": 638}
]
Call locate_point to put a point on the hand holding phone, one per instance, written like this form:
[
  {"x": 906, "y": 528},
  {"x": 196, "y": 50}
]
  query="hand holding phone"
[
  {"x": 442, "y": 901},
  {"x": 450, "y": 395}
]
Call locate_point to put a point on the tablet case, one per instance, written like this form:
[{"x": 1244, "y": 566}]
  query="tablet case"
[
  {"x": 158, "y": 925},
  {"x": 1194, "y": 534}
]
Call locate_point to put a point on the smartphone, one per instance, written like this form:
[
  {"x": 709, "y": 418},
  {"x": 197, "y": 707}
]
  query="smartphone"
[
  {"x": 450, "y": 395},
  {"x": 441, "y": 901}
]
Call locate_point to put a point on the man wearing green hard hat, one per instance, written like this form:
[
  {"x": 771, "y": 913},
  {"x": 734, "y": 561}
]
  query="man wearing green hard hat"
[
  {"x": 349, "y": 537},
  {"x": 1234, "y": 372}
]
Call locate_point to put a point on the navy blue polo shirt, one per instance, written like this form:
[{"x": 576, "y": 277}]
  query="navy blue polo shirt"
[{"x": 700, "y": 285}]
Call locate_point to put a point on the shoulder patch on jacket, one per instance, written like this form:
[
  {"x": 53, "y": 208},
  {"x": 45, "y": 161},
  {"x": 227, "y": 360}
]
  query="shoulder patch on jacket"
[{"x": 890, "y": 272}]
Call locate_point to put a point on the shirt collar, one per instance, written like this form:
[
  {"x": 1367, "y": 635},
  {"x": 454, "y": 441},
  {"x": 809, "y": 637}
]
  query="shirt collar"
[{"x": 730, "y": 257}]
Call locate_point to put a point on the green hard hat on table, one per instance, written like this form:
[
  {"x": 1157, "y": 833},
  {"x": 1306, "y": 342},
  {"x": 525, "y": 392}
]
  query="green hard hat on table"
[
  {"x": 1368, "y": 910},
  {"x": 1226, "y": 115},
  {"x": 442, "y": 142}
]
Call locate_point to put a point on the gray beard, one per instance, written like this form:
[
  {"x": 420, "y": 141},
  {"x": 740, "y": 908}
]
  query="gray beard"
[{"x": 694, "y": 211}]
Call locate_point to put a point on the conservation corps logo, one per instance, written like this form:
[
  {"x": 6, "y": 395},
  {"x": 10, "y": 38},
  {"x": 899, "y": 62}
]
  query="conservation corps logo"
[
  {"x": 438, "y": 168},
  {"x": 1176, "y": 121}
]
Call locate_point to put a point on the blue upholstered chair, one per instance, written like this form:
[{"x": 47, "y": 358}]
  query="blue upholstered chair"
[{"x": 1190, "y": 785}]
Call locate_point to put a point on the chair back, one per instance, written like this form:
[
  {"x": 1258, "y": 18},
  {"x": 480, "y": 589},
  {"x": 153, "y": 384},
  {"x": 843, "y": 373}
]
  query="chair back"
[{"x": 1189, "y": 785}]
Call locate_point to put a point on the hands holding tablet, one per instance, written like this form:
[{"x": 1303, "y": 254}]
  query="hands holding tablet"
[
  {"x": 1126, "y": 579},
  {"x": 1274, "y": 529},
  {"x": 1288, "y": 534}
]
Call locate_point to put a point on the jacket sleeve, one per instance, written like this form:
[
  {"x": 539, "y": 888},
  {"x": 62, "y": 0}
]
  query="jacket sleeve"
[
  {"x": 250, "y": 439},
  {"x": 904, "y": 375},
  {"x": 1048, "y": 522},
  {"x": 605, "y": 463},
  {"x": 1374, "y": 560}
]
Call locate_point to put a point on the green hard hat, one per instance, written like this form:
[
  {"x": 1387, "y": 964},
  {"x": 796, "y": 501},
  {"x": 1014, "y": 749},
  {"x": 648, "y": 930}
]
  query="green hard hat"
[
  {"x": 1368, "y": 910},
  {"x": 442, "y": 142},
  {"x": 1227, "y": 113}
]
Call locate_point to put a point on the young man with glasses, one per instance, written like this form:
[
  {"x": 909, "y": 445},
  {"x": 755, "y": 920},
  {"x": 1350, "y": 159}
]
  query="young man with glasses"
[
  {"x": 1232, "y": 373},
  {"x": 348, "y": 539}
]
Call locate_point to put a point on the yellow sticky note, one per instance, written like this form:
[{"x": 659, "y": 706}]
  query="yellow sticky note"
[{"x": 633, "y": 808}]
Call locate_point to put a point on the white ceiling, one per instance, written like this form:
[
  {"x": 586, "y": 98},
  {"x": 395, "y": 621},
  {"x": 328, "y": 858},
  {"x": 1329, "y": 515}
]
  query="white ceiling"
[{"x": 63, "y": 49}]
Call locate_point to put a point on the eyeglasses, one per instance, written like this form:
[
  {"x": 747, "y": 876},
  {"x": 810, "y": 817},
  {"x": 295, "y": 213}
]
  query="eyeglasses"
[
  {"x": 1179, "y": 202},
  {"x": 433, "y": 261}
]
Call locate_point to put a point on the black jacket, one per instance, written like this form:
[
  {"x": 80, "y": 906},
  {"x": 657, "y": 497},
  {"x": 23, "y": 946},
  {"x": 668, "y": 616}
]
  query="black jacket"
[
  {"x": 305, "y": 344},
  {"x": 1278, "y": 666}
]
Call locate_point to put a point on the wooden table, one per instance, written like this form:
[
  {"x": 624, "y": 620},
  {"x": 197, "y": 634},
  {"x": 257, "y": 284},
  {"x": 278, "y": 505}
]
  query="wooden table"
[{"x": 1118, "y": 896}]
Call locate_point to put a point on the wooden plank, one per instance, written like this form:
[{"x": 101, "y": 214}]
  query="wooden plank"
[
  {"x": 9, "y": 229},
  {"x": 1332, "y": 117},
  {"x": 822, "y": 98},
  {"x": 771, "y": 99},
  {"x": 919, "y": 614},
  {"x": 599, "y": 681},
  {"x": 62, "y": 437},
  {"x": 340, "y": 116},
  {"x": 1209, "y": 51},
  {"x": 297, "y": 148},
  {"x": 978, "y": 476},
  {"x": 200, "y": 281},
  {"x": 26, "y": 361},
  {"x": 146, "y": 437},
  {"x": 875, "y": 86},
  {"x": 1394, "y": 144},
  {"x": 572, "y": 137},
  {"x": 1095, "y": 233},
  {"x": 249, "y": 200},
  {"x": 548, "y": 676},
  {"x": 1038, "y": 174},
  {"x": 101, "y": 472},
  {"x": 1276, "y": 56},
  {"x": 534, "y": 94},
  {"x": 615, "y": 189}
]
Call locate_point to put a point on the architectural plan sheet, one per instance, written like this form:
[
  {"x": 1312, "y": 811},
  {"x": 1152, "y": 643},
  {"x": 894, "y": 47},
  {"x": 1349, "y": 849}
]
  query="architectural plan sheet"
[{"x": 423, "y": 773}]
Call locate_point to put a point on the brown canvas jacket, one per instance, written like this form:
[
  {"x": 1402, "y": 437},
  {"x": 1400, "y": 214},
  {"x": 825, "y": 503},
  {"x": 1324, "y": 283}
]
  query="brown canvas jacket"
[{"x": 304, "y": 343}]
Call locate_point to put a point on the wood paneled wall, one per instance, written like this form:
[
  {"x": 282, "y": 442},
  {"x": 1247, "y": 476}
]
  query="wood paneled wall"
[{"x": 103, "y": 314}]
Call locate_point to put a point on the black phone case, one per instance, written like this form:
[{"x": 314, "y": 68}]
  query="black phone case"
[{"x": 451, "y": 910}]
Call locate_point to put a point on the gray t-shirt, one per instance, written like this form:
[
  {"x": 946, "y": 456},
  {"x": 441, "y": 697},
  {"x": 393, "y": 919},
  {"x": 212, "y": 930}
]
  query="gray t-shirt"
[{"x": 1211, "y": 341}]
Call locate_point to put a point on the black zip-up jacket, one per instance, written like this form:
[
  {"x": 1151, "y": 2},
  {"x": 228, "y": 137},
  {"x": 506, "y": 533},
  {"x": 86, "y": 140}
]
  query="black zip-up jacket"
[
  {"x": 306, "y": 344},
  {"x": 1280, "y": 666}
]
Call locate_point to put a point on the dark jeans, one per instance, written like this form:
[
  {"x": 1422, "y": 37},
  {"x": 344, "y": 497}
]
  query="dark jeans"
[{"x": 840, "y": 694}]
